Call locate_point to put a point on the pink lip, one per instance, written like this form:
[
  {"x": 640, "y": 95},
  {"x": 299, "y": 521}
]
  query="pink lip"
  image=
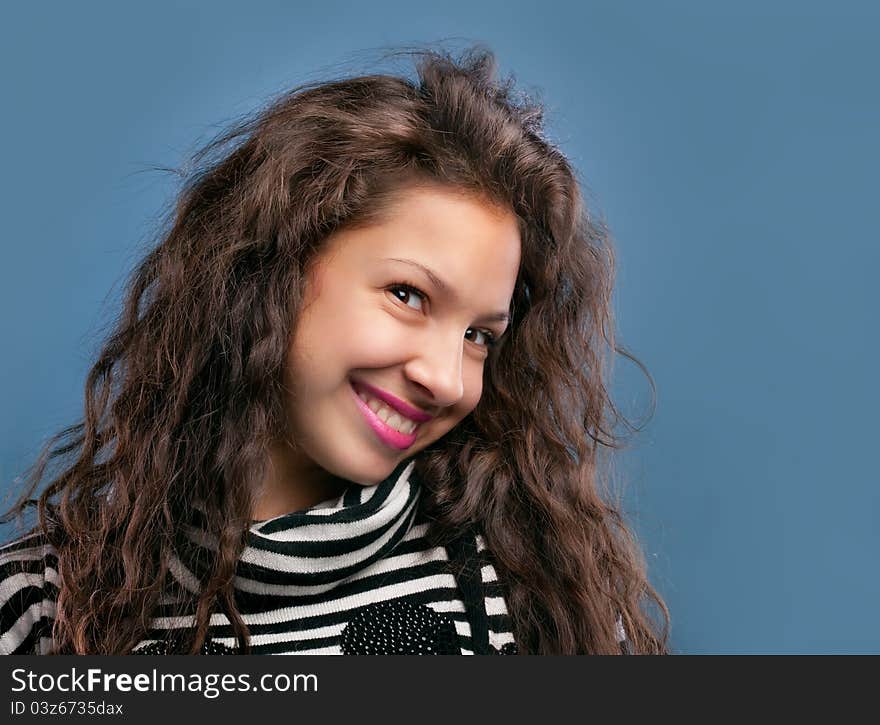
[
  {"x": 387, "y": 434},
  {"x": 404, "y": 409}
]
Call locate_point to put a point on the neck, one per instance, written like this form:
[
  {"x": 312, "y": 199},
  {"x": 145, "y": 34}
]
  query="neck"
[{"x": 293, "y": 483}]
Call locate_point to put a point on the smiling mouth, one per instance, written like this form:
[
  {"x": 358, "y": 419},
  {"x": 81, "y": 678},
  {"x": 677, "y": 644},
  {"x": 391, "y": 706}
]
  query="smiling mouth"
[{"x": 391, "y": 418}]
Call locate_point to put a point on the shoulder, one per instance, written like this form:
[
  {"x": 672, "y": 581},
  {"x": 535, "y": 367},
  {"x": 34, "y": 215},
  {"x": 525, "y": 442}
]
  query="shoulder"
[{"x": 28, "y": 591}]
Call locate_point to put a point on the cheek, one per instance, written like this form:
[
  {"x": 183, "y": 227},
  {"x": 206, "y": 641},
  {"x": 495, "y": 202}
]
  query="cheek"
[
  {"x": 375, "y": 341},
  {"x": 327, "y": 344},
  {"x": 473, "y": 389}
]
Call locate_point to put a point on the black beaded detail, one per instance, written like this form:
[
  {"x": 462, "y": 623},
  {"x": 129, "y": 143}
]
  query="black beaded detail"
[
  {"x": 399, "y": 628},
  {"x": 172, "y": 647},
  {"x": 507, "y": 649}
]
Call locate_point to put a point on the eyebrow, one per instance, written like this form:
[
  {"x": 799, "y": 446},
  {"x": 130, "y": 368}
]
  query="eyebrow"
[{"x": 445, "y": 287}]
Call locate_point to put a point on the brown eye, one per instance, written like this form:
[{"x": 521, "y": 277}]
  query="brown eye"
[
  {"x": 488, "y": 337},
  {"x": 406, "y": 294}
]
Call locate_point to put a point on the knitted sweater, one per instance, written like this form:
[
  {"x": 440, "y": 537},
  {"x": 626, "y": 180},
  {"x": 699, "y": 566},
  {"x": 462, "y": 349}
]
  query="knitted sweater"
[{"x": 351, "y": 576}]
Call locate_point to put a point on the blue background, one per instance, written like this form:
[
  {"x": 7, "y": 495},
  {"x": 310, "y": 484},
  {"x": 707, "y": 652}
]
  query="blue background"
[{"x": 733, "y": 151}]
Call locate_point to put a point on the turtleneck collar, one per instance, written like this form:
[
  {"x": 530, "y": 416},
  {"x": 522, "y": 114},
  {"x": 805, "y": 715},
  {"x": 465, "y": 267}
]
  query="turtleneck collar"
[{"x": 309, "y": 552}]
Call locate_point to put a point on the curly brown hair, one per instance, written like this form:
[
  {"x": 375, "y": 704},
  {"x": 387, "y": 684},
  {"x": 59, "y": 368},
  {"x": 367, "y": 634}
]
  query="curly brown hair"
[{"x": 188, "y": 389}]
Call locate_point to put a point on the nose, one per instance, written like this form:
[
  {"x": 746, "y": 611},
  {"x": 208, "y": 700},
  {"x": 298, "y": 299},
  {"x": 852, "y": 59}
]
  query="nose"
[{"x": 436, "y": 367}]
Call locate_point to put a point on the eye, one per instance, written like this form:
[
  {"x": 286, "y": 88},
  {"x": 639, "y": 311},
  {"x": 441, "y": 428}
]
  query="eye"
[
  {"x": 406, "y": 293},
  {"x": 488, "y": 338}
]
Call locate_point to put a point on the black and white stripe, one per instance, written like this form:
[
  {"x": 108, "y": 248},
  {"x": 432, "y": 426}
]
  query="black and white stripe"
[
  {"x": 300, "y": 580},
  {"x": 28, "y": 592}
]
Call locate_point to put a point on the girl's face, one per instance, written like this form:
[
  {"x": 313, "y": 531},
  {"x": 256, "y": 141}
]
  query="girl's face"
[{"x": 388, "y": 352}]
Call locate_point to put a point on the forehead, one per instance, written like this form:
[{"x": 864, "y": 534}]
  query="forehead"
[{"x": 470, "y": 242}]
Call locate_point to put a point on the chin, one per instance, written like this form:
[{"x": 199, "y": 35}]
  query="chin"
[{"x": 370, "y": 472}]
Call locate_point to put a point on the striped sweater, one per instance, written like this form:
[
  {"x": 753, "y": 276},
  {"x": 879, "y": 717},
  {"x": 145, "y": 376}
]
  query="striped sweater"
[{"x": 355, "y": 575}]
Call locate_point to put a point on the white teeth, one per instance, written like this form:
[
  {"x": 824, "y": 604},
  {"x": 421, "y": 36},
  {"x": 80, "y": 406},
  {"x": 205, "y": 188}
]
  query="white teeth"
[
  {"x": 395, "y": 421},
  {"x": 388, "y": 416}
]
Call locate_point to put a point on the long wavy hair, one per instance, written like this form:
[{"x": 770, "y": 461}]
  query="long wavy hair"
[{"x": 187, "y": 392}]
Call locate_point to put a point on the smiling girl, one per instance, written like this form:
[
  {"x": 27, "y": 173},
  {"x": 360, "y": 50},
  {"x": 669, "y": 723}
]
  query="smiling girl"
[{"x": 355, "y": 402}]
